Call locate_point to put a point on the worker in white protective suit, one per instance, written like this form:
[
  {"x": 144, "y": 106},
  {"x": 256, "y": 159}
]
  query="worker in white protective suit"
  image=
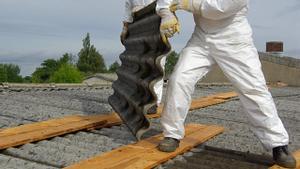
[
  {"x": 221, "y": 36},
  {"x": 132, "y": 6}
]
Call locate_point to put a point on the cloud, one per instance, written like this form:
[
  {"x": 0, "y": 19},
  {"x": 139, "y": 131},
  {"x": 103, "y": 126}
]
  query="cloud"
[
  {"x": 27, "y": 61},
  {"x": 292, "y": 9},
  {"x": 37, "y": 29}
]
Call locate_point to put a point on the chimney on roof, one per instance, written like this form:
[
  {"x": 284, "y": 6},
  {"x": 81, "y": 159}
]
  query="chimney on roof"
[{"x": 274, "y": 48}]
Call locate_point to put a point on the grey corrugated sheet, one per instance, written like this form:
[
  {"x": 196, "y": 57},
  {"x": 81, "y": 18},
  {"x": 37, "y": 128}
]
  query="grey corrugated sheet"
[
  {"x": 68, "y": 149},
  {"x": 139, "y": 71}
]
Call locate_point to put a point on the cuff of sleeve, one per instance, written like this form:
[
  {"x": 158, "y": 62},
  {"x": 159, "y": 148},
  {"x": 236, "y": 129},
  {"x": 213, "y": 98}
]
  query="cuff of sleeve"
[
  {"x": 128, "y": 19},
  {"x": 162, "y": 5}
]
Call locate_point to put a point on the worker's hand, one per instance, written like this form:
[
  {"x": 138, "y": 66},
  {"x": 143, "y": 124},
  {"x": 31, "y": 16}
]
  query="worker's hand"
[
  {"x": 169, "y": 23},
  {"x": 124, "y": 32}
]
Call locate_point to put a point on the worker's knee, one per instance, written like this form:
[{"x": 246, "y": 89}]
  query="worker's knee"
[
  {"x": 182, "y": 80},
  {"x": 257, "y": 90}
]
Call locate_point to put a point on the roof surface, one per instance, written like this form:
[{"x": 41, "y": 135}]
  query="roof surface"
[{"x": 236, "y": 148}]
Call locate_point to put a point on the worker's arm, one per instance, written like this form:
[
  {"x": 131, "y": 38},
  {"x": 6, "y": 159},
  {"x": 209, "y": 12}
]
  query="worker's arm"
[
  {"x": 127, "y": 19},
  {"x": 210, "y": 9},
  {"x": 169, "y": 23},
  {"x": 163, "y": 4},
  {"x": 220, "y": 9},
  {"x": 128, "y": 12}
]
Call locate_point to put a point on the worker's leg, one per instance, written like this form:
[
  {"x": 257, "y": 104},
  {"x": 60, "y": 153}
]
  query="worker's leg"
[
  {"x": 240, "y": 63},
  {"x": 158, "y": 87},
  {"x": 192, "y": 65}
]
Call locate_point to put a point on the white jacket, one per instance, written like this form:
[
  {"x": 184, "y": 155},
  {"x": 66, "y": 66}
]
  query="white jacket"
[{"x": 214, "y": 15}]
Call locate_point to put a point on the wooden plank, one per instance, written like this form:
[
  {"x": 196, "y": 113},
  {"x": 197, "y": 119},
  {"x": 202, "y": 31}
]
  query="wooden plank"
[
  {"x": 112, "y": 119},
  {"x": 296, "y": 155},
  {"x": 225, "y": 96},
  {"x": 46, "y": 129},
  {"x": 40, "y": 125},
  {"x": 212, "y": 100},
  {"x": 37, "y": 135},
  {"x": 205, "y": 103},
  {"x": 144, "y": 154}
]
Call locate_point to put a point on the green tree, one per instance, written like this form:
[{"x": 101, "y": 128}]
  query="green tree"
[
  {"x": 89, "y": 59},
  {"x": 27, "y": 79},
  {"x": 48, "y": 67},
  {"x": 67, "y": 73},
  {"x": 172, "y": 59},
  {"x": 10, "y": 73},
  {"x": 42, "y": 74},
  {"x": 3, "y": 73},
  {"x": 113, "y": 67},
  {"x": 67, "y": 58}
]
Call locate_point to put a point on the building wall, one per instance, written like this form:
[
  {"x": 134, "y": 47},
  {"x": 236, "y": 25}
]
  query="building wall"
[
  {"x": 275, "y": 72},
  {"x": 275, "y": 69}
]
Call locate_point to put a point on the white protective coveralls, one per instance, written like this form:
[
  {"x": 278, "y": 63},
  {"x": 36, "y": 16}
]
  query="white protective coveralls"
[
  {"x": 132, "y": 6},
  {"x": 222, "y": 36}
]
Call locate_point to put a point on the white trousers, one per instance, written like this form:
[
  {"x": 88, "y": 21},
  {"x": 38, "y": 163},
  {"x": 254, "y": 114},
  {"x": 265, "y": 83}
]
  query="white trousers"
[
  {"x": 238, "y": 59},
  {"x": 158, "y": 87}
]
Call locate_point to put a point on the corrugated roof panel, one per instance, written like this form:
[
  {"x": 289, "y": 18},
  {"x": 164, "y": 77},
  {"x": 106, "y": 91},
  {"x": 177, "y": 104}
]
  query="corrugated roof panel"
[{"x": 139, "y": 71}]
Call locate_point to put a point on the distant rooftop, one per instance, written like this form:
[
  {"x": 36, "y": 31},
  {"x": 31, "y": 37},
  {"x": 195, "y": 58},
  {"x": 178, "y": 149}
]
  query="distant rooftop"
[{"x": 282, "y": 60}]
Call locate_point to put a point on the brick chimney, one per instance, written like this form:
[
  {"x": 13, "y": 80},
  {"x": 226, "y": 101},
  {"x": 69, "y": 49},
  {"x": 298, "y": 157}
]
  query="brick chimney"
[{"x": 275, "y": 48}]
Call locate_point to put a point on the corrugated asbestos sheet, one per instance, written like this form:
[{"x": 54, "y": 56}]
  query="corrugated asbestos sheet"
[{"x": 139, "y": 71}]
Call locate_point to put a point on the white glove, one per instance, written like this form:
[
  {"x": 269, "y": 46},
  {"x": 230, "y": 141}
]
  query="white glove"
[{"x": 169, "y": 23}]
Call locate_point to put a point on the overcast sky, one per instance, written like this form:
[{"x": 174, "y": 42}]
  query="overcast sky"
[{"x": 34, "y": 30}]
